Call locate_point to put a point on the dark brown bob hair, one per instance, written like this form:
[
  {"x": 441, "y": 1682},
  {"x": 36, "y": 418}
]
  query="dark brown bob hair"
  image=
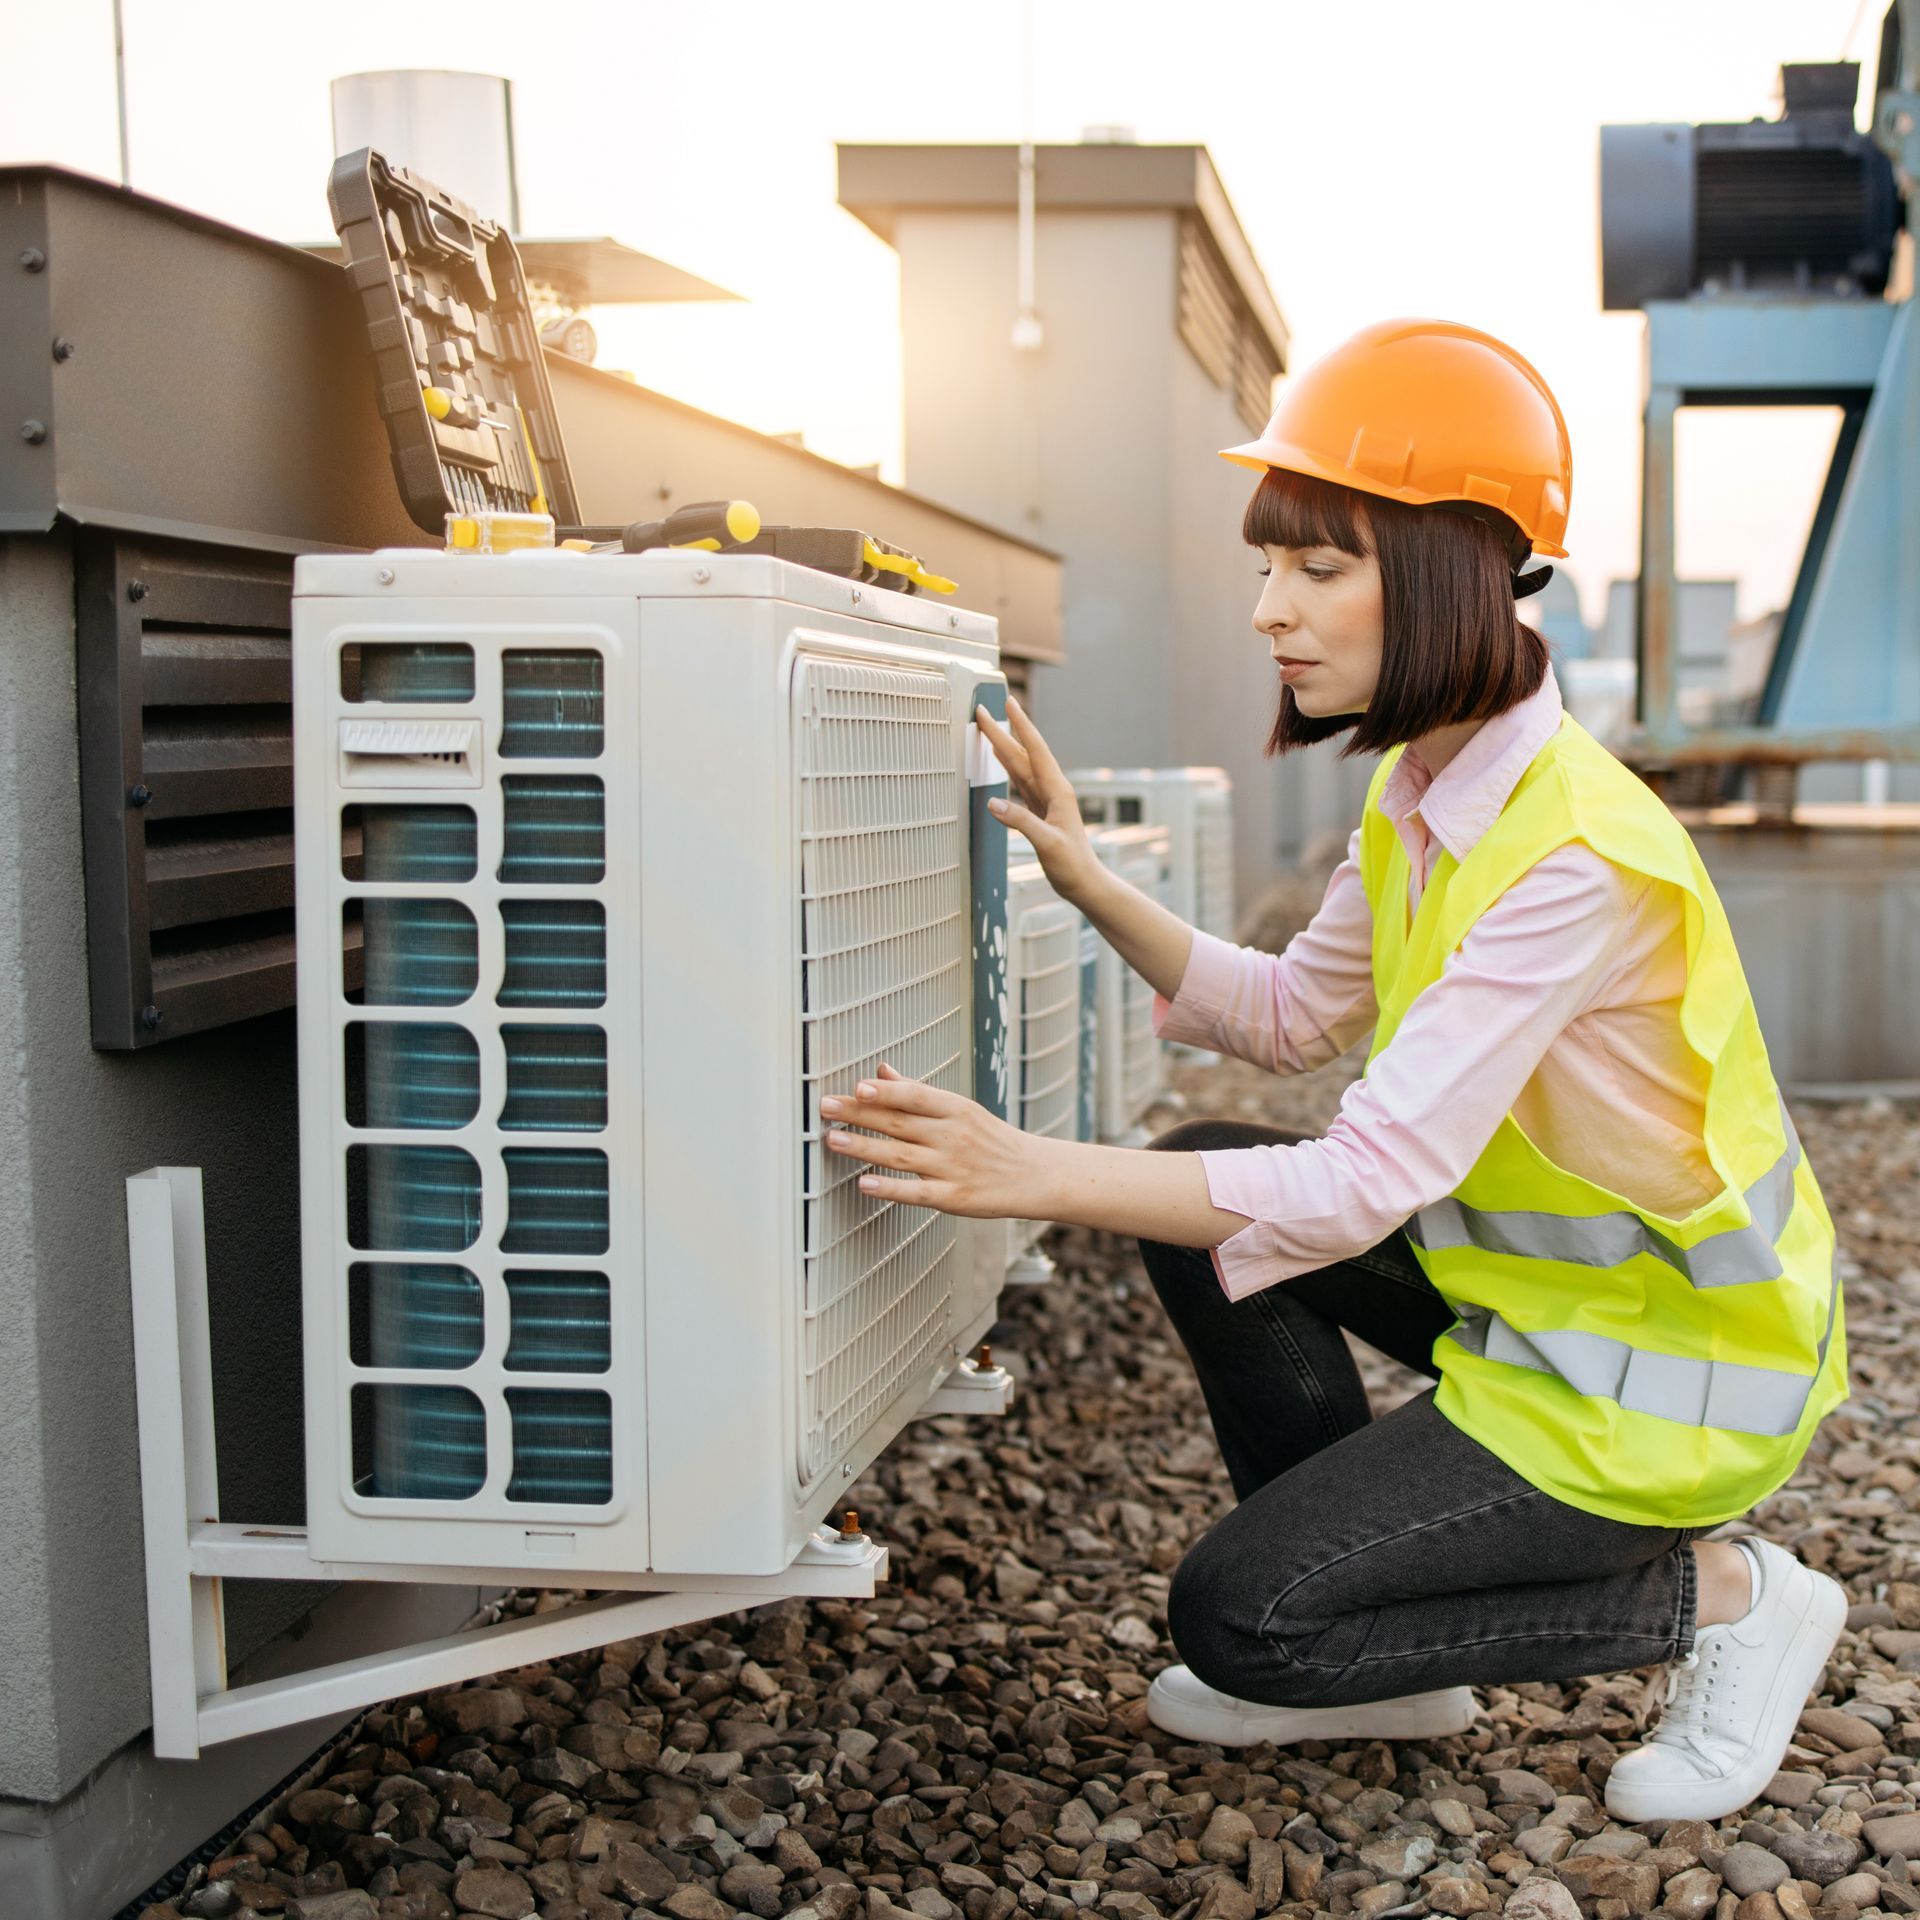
[{"x": 1452, "y": 648}]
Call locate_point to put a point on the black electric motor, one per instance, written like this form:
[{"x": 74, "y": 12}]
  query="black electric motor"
[{"x": 1802, "y": 204}]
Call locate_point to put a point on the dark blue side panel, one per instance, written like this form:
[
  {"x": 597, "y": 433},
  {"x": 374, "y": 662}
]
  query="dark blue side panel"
[{"x": 992, "y": 1059}]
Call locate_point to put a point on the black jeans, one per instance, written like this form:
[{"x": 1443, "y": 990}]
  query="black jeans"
[{"x": 1373, "y": 1558}]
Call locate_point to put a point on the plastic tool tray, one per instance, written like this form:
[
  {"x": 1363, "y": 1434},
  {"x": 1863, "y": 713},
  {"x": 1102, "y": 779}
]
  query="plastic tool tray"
[{"x": 463, "y": 383}]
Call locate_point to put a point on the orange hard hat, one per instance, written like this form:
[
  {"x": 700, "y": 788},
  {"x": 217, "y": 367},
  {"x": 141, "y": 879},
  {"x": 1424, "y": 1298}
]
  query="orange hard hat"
[{"x": 1429, "y": 413}]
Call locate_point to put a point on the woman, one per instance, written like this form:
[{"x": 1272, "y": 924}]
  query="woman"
[{"x": 1567, "y": 1189}]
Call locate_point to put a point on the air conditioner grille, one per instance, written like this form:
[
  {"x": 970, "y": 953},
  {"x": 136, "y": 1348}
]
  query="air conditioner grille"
[
  {"x": 1213, "y": 863},
  {"x": 1047, "y": 965},
  {"x": 1141, "y": 1068},
  {"x": 884, "y": 975}
]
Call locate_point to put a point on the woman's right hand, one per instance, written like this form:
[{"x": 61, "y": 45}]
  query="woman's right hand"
[{"x": 1043, "y": 805}]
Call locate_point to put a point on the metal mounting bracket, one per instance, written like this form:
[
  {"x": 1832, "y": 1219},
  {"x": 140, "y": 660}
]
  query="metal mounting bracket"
[
  {"x": 971, "y": 1388},
  {"x": 189, "y": 1550}
]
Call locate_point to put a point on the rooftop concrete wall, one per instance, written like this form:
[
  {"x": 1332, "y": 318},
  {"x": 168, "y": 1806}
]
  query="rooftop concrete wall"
[{"x": 73, "y": 1125}]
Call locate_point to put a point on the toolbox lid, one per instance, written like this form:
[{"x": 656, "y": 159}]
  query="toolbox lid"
[{"x": 458, "y": 366}]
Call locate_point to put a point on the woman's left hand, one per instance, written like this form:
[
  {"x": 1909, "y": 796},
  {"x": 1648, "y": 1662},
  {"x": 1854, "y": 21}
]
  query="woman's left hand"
[{"x": 961, "y": 1158}]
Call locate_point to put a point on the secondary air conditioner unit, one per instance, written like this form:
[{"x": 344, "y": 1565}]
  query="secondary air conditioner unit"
[
  {"x": 1195, "y": 804},
  {"x": 635, "y": 858},
  {"x": 1045, "y": 1033},
  {"x": 1132, "y": 1060}
]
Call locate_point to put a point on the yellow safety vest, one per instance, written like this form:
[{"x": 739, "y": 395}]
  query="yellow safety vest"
[{"x": 1662, "y": 1371}]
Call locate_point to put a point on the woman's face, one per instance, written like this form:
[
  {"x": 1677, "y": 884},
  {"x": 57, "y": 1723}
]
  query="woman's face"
[{"x": 1320, "y": 611}]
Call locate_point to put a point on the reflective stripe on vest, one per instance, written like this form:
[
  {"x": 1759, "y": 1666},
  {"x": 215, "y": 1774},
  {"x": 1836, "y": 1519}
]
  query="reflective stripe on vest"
[
  {"x": 1735, "y": 1258},
  {"x": 1693, "y": 1393}
]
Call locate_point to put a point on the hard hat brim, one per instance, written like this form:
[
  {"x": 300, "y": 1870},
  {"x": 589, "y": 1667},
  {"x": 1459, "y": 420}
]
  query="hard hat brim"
[{"x": 1262, "y": 454}]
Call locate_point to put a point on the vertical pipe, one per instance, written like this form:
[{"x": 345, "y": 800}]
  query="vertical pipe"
[
  {"x": 1026, "y": 319},
  {"x": 120, "y": 89},
  {"x": 1655, "y": 635}
]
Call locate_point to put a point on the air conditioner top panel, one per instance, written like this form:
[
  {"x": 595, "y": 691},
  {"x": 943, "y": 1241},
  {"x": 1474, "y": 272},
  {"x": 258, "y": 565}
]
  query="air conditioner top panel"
[
  {"x": 665, "y": 573},
  {"x": 1124, "y": 839}
]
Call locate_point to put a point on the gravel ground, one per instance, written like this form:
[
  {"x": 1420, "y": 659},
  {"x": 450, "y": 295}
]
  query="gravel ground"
[{"x": 972, "y": 1743}]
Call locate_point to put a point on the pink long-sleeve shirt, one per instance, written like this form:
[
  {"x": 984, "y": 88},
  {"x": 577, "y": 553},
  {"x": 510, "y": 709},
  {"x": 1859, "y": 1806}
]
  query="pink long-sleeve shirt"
[{"x": 1561, "y": 1007}]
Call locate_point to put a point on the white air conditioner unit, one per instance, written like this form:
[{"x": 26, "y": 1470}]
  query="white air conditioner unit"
[
  {"x": 1044, "y": 1031},
  {"x": 1132, "y": 1060},
  {"x": 634, "y": 857},
  {"x": 1195, "y": 804}
]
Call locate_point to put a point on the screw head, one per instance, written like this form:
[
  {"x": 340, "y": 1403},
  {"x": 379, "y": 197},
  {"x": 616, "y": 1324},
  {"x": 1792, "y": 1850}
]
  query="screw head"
[
  {"x": 151, "y": 1017},
  {"x": 139, "y": 794},
  {"x": 846, "y": 1469},
  {"x": 385, "y": 576},
  {"x": 33, "y": 431},
  {"x": 701, "y": 575},
  {"x": 32, "y": 259},
  {"x": 136, "y": 590},
  {"x": 62, "y": 348},
  {"x": 953, "y": 620},
  {"x": 856, "y": 596}
]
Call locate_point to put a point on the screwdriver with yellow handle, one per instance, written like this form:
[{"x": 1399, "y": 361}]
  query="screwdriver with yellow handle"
[{"x": 707, "y": 524}]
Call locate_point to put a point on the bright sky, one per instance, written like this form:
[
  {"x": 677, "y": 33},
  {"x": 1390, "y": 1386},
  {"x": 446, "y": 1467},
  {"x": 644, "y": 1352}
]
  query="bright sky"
[{"x": 1385, "y": 156}]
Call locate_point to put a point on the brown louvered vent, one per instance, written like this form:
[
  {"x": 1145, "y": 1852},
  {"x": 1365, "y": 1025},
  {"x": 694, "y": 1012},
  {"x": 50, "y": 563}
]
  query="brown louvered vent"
[
  {"x": 1208, "y": 305},
  {"x": 186, "y": 758},
  {"x": 1219, "y": 328}
]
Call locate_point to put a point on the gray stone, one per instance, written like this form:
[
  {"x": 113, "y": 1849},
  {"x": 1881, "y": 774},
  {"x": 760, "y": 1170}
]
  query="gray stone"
[
  {"x": 1398, "y": 1856},
  {"x": 1225, "y": 1899},
  {"x": 1792, "y": 1787},
  {"x": 1541, "y": 1900},
  {"x": 354, "y": 1903},
  {"x": 1226, "y": 1837},
  {"x": 1896, "y": 1833},
  {"x": 562, "y": 1768},
  {"x": 792, "y": 1854},
  {"x": 1518, "y": 1785},
  {"x": 636, "y": 1875},
  {"x": 1370, "y": 1902},
  {"x": 1692, "y": 1894},
  {"x": 1074, "y": 1826},
  {"x": 1616, "y": 1843},
  {"x": 1456, "y": 1895},
  {"x": 1454, "y": 1817},
  {"x": 1814, "y": 1854},
  {"x": 695, "y": 1902},
  {"x": 1855, "y": 1890},
  {"x": 930, "y": 1903},
  {"x": 1749, "y": 1869},
  {"x": 1266, "y": 1873},
  {"x": 494, "y": 1891},
  {"x": 481, "y": 1709},
  {"x": 1544, "y": 1845},
  {"x": 1846, "y": 1730}
]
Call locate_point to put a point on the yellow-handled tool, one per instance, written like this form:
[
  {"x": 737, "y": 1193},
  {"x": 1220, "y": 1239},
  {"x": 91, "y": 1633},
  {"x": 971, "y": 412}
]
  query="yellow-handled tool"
[{"x": 708, "y": 524}]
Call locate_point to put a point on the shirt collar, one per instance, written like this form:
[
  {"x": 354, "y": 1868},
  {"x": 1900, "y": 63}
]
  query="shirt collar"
[{"x": 1465, "y": 798}]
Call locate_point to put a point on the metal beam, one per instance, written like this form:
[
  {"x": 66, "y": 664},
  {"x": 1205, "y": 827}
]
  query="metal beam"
[
  {"x": 223, "y": 1550},
  {"x": 1766, "y": 350},
  {"x": 1685, "y": 748}
]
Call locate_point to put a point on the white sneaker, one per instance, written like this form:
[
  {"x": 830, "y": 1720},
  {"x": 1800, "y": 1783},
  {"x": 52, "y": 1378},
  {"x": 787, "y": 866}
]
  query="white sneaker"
[
  {"x": 1179, "y": 1702},
  {"x": 1733, "y": 1702}
]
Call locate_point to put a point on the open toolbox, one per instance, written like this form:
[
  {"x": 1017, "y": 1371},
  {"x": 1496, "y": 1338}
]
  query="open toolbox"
[{"x": 462, "y": 386}]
